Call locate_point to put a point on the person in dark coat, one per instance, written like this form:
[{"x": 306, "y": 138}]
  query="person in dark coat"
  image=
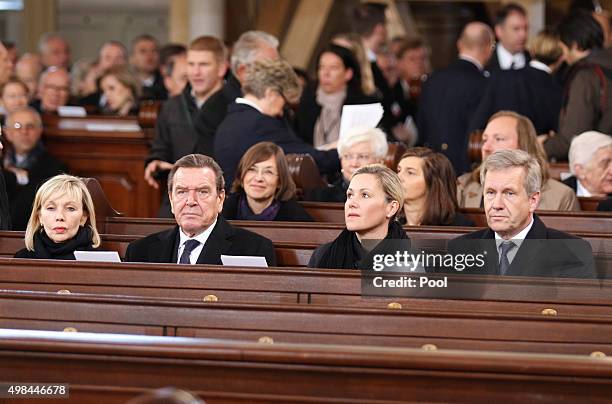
[
  {"x": 5, "y": 215},
  {"x": 339, "y": 83},
  {"x": 263, "y": 188},
  {"x": 256, "y": 117},
  {"x": 532, "y": 91},
  {"x": 250, "y": 47},
  {"x": 197, "y": 193},
  {"x": 144, "y": 59},
  {"x": 450, "y": 97},
  {"x": 517, "y": 243},
  {"x": 374, "y": 198},
  {"x": 512, "y": 31},
  {"x": 175, "y": 133},
  {"x": 63, "y": 220},
  {"x": 430, "y": 187},
  {"x": 27, "y": 164}
]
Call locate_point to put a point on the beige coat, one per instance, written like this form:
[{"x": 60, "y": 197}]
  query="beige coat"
[{"x": 555, "y": 195}]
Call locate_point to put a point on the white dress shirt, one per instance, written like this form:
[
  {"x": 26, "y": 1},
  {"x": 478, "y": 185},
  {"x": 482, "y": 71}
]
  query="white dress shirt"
[
  {"x": 506, "y": 59},
  {"x": 581, "y": 190},
  {"x": 241, "y": 100},
  {"x": 517, "y": 240},
  {"x": 202, "y": 238}
]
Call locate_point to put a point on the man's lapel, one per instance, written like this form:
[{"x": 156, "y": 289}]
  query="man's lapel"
[
  {"x": 528, "y": 252},
  {"x": 162, "y": 250},
  {"x": 219, "y": 242}
]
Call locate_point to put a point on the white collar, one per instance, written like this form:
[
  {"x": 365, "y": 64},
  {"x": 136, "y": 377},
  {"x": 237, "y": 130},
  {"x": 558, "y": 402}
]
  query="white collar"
[
  {"x": 581, "y": 190},
  {"x": 250, "y": 103},
  {"x": 536, "y": 64},
  {"x": 472, "y": 60},
  {"x": 370, "y": 55},
  {"x": 518, "y": 239},
  {"x": 149, "y": 81},
  {"x": 202, "y": 237},
  {"x": 506, "y": 58},
  {"x": 195, "y": 99}
]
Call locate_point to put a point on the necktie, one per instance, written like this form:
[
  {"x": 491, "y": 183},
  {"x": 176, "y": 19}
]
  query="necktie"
[
  {"x": 190, "y": 245},
  {"x": 504, "y": 263}
]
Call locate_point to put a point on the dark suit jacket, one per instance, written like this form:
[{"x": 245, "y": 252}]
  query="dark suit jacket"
[
  {"x": 244, "y": 126},
  {"x": 544, "y": 252},
  {"x": 289, "y": 211},
  {"x": 225, "y": 239},
  {"x": 5, "y": 216},
  {"x": 529, "y": 91},
  {"x": 156, "y": 91},
  {"x": 447, "y": 103},
  {"x": 213, "y": 112},
  {"x": 21, "y": 197},
  {"x": 309, "y": 110},
  {"x": 571, "y": 182}
]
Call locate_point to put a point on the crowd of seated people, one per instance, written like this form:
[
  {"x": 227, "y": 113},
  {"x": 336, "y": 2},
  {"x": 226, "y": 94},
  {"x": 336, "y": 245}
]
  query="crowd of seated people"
[{"x": 247, "y": 109}]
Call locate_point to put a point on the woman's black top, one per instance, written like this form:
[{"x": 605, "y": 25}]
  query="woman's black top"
[
  {"x": 45, "y": 248},
  {"x": 237, "y": 208}
]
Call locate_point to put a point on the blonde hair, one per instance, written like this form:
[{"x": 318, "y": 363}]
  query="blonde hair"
[
  {"x": 62, "y": 184},
  {"x": 389, "y": 182},
  {"x": 277, "y": 75}
]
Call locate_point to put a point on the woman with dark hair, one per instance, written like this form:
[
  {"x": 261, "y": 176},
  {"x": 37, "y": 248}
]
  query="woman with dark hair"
[
  {"x": 263, "y": 188},
  {"x": 430, "y": 188},
  {"x": 373, "y": 199},
  {"x": 339, "y": 84}
]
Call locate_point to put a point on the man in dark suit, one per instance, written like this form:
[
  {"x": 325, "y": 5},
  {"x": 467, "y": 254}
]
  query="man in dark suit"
[
  {"x": 512, "y": 30},
  {"x": 27, "y": 164},
  {"x": 517, "y": 243},
  {"x": 175, "y": 134},
  {"x": 450, "y": 96},
  {"x": 144, "y": 58},
  {"x": 250, "y": 47},
  {"x": 196, "y": 191}
]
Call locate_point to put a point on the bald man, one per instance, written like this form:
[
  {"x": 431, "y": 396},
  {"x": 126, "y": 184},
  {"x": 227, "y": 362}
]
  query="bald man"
[
  {"x": 451, "y": 95},
  {"x": 54, "y": 50}
]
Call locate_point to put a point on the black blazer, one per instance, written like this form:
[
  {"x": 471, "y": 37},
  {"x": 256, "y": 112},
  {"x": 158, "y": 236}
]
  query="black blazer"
[
  {"x": 290, "y": 211},
  {"x": 5, "y": 216},
  {"x": 245, "y": 126},
  {"x": 213, "y": 112},
  {"x": 21, "y": 197},
  {"x": 529, "y": 91},
  {"x": 571, "y": 182},
  {"x": 544, "y": 253},
  {"x": 308, "y": 112},
  {"x": 335, "y": 192},
  {"x": 446, "y": 105},
  {"x": 225, "y": 239}
]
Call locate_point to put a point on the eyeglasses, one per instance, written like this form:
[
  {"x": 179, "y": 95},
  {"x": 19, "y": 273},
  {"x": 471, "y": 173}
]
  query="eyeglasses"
[
  {"x": 360, "y": 157},
  {"x": 22, "y": 126},
  {"x": 57, "y": 88},
  {"x": 266, "y": 173}
]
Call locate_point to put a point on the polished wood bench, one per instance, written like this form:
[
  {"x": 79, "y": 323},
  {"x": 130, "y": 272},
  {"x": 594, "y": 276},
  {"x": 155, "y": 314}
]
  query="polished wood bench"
[
  {"x": 113, "y": 369},
  {"x": 299, "y": 286},
  {"x": 408, "y": 327}
]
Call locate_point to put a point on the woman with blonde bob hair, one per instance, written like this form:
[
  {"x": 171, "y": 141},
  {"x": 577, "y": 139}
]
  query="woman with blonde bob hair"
[
  {"x": 374, "y": 197},
  {"x": 63, "y": 221},
  {"x": 263, "y": 188}
]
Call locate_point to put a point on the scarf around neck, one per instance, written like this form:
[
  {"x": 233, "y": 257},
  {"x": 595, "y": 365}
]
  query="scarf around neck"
[
  {"x": 346, "y": 252},
  {"x": 45, "y": 248},
  {"x": 245, "y": 212},
  {"x": 327, "y": 127}
]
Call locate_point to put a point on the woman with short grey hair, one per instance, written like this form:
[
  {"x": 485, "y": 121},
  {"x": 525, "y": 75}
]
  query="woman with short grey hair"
[{"x": 358, "y": 147}]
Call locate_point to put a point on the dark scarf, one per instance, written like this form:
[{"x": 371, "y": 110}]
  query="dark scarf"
[
  {"x": 30, "y": 159},
  {"x": 245, "y": 212},
  {"x": 45, "y": 248},
  {"x": 346, "y": 252}
]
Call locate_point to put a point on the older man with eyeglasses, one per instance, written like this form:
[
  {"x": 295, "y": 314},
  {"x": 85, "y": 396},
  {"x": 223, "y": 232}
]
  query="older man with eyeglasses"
[
  {"x": 26, "y": 163},
  {"x": 53, "y": 90}
]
